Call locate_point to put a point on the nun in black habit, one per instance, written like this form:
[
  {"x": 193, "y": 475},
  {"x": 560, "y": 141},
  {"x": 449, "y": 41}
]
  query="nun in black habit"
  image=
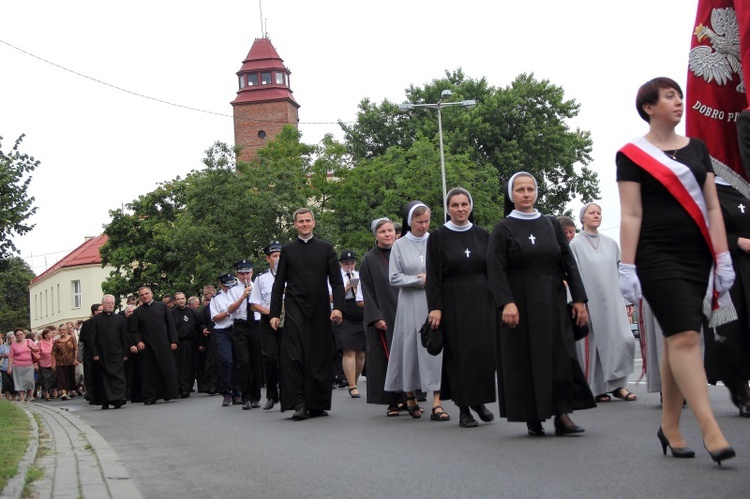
[
  {"x": 460, "y": 304},
  {"x": 380, "y": 301},
  {"x": 539, "y": 376}
]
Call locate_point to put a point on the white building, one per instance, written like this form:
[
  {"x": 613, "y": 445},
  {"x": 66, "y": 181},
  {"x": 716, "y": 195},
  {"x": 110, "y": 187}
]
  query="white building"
[{"x": 66, "y": 291}]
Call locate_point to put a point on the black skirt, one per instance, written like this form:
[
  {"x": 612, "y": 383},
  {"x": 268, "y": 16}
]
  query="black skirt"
[{"x": 350, "y": 334}]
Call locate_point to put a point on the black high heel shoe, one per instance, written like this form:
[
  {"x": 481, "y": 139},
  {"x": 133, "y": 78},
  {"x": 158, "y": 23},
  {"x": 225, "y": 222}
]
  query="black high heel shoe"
[
  {"x": 720, "y": 455},
  {"x": 683, "y": 452},
  {"x": 566, "y": 429}
]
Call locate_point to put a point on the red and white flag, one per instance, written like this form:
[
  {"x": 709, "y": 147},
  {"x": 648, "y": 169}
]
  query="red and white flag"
[{"x": 718, "y": 76}]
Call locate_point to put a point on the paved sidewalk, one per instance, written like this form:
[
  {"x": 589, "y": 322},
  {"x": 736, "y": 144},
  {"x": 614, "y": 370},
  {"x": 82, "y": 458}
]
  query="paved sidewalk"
[{"x": 77, "y": 461}]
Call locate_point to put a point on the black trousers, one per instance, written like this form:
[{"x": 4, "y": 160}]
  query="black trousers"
[
  {"x": 185, "y": 359},
  {"x": 249, "y": 356},
  {"x": 208, "y": 371},
  {"x": 271, "y": 346}
]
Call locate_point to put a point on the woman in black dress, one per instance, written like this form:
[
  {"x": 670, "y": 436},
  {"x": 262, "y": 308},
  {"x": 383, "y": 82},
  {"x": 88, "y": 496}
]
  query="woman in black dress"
[
  {"x": 672, "y": 236},
  {"x": 460, "y": 304},
  {"x": 529, "y": 258}
]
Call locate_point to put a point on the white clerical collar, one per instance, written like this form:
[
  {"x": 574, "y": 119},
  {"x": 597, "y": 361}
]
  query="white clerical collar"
[
  {"x": 412, "y": 237},
  {"x": 458, "y": 228},
  {"x": 525, "y": 216},
  {"x": 305, "y": 240}
]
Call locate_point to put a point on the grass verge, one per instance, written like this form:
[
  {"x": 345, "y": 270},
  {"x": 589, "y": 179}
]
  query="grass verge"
[{"x": 15, "y": 430}]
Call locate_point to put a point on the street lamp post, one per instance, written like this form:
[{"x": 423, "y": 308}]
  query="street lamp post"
[{"x": 407, "y": 106}]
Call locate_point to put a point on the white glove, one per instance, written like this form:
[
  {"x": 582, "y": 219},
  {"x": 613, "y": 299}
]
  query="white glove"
[
  {"x": 724, "y": 273},
  {"x": 630, "y": 286}
]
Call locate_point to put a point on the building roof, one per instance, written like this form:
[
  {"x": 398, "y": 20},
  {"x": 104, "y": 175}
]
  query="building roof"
[
  {"x": 263, "y": 57},
  {"x": 86, "y": 254}
]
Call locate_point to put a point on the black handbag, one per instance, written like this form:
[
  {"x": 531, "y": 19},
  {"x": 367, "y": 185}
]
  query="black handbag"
[
  {"x": 579, "y": 332},
  {"x": 432, "y": 339}
]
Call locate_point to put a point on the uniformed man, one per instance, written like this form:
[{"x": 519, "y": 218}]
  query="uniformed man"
[
  {"x": 223, "y": 326},
  {"x": 247, "y": 343},
  {"x": 260, "y": 302}
]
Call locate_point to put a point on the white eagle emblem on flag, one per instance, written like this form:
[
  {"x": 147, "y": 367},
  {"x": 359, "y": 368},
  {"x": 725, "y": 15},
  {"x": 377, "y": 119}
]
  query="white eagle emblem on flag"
[{"x": 721, "y": 59}]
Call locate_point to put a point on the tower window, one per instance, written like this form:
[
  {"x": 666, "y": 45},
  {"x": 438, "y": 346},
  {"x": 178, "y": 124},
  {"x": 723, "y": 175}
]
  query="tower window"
[
  {"x": 279, "y": 78},
  {"x": 242, "y": 81},
  {"x": 262, "y": 134},
  {"x": 265, "y": 78},
  {"x": 252, "y": 80}
]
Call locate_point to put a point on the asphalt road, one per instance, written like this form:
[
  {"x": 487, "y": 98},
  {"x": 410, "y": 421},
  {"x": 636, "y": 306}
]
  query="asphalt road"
[{"x": 196, "y": 448}]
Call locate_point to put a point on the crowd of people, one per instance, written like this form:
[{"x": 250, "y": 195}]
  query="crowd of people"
[{"x": 505, "y": 304}]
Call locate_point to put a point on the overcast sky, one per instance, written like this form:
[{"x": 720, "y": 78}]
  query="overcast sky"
[{"x": 101, "y": 147}]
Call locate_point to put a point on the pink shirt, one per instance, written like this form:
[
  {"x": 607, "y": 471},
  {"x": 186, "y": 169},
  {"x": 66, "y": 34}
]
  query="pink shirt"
[
  {"x": 45, "y": 352},
  {"x": 21, "y": 354}
]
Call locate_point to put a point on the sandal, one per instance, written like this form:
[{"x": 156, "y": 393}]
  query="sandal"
[
  {"x": 603, "y": 398},
  {"x": 414, "y": 410},
  {"x": 392, "y": 411},
  {"x": 624, "y": 394},
  {"x": 439, "y": 416}
]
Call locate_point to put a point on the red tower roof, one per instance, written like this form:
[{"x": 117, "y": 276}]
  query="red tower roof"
[
  {"x": 85, "y": 254},
  {"x": 263, "y": 59}
]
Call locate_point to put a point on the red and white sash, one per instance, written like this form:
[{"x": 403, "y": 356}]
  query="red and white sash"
[{"x": 679, "y": 180}]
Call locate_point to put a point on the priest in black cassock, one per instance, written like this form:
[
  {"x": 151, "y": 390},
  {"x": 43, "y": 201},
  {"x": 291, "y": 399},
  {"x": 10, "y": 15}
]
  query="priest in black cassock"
[
  {"x": 306, "y": 266},
  {"x": 188, "y": 325},
  {"x": 109, "y": 345},
  {"x": 155, "y": 336}
]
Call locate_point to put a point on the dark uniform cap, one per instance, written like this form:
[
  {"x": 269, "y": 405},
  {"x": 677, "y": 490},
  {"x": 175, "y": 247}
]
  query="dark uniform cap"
[
  {"x": 272, "y": 247},
  {"x": 347, "y": 256},
  {"x": 244, "y": 265},
  {"x": 227, "y": 279}
]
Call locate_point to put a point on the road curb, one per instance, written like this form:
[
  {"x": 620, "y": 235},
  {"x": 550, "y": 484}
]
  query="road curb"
[{"x": 14, "y": 487}]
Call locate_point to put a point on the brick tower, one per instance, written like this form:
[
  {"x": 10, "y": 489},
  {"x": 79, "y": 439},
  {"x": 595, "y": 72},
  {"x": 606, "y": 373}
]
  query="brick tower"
[{"x": 264, "y": 102}]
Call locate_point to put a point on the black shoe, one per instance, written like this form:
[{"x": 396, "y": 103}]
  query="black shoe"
[
  {"x": 117, "y": 404},
  {"x": 227, "y": 401},
  {"x": 300, "y": 413},
  {"x": 535, "y": 429},
  {"x": 483, "y": 413},
  {"x": 246, "y": 405},
  {"x": 105, "y": 406},
  {"x": 254, "y": 404},
  {"x": 720, "y": 455},
  {"x": 269, "y": 405},
  {"x": 343, "y": 383},
  {"x": 466, "y": 420},
  {"x": 682, "y": 452},
  {"x": 184, "y": 395},
  {"x": 317, "y": 413},
  {"x": 211, "y": 392},
  {"x": 149, "y": 402},
  {"x": 745, "y": 411},
  {"x": 563, "y": 429},
  {"x": 237, "y": 400}
]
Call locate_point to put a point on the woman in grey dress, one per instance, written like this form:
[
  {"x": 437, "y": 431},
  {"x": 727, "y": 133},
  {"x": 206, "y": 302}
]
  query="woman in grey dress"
[
  {"x": 610, "y": 346},
  {"x": 410, "y": 366}
]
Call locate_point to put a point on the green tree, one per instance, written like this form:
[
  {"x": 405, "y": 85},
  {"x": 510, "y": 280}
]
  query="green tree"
[
  {"x": 382, "y": 186},
  {"x": 188, "y": 231},
  {"x": 523, "y": 126},
  {"x": 15, "y": 277},
  {"x": 16, "y": 206}
]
